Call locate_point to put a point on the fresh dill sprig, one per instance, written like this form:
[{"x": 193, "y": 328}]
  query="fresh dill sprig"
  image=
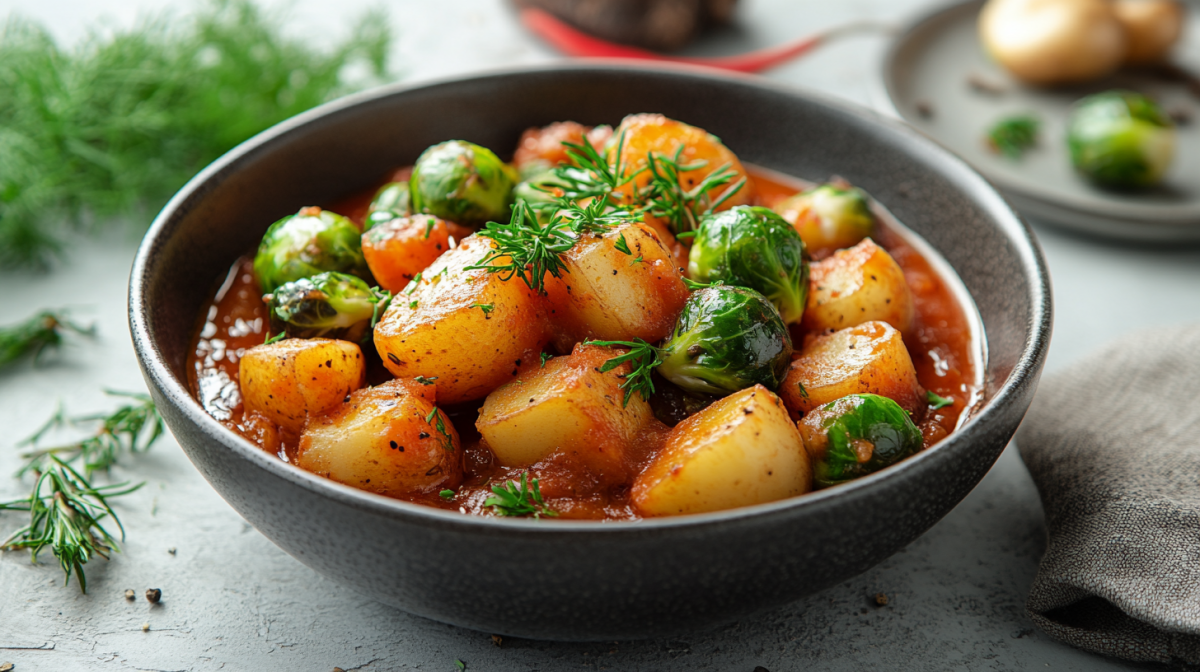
[
  {"x": 1011, "y": 136},
  {"x": 440, "y": 425},
  {"x": 642, "y": 357},
  {"x": 523, "y": 498},
  {"x": 666, "y": 198},
  {"x": 525, "y": 248},
  {"x": 589, "y": 175},
  {"x": 36, "y": 334},
  {"x": 66, "y": 511},
  {"x": 937, "y": 401},
  {"x": 110, "y": 128}
]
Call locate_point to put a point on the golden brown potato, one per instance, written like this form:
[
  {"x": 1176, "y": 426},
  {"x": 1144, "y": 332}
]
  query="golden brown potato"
[
  {"x": 1053, "y": 41},
  {"x": 292, "y": 379},
  {"x": 867, "y": 359},
  {"x": 567, "y": 406},
  {"x": 399, "y": 249},
  {"x": 645, "y": 133},
  {"x": 543, "y": 147},
  {"x": 608, "y": 295},
  {"x": 857, "y": 285},
  {"x": 742, "y": 450},
  {"x": 471, "y": 329},
  {"x": 1152, "y": 26},
  {"x": 385, "y": 440}
]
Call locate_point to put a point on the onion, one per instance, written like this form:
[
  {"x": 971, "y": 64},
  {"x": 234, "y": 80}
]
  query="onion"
[
  {"x": 1053, "y": 41},
  {"x": 1153, "y": 27}
]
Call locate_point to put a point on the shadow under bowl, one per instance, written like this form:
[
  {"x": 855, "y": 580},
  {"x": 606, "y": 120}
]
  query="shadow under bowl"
[{"x": 587, "y": 580}]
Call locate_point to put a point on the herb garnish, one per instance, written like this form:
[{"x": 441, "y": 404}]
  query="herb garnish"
[
  {"x": 1011, "y": 136},
  {"x": 274, "y": 339},
  {"x": 117, "y": 124},
  {"x": 643, "y": 357},
  {"x": 446, "y": 494},
  {"x": 622, "y": 246},
  {"x": 487, "y": 308},
  {"x": 591, "y": 176},
  {"x": 66, "y": 511},
  {"x": 36, "y": 334},
  {"x": 693, "y": 285},
  {"x": 666, "y": 199},
  {"x": 447, "y": 440},
  {"x": 519, "y": 499},
  {"x": 803, "y": 392},
  {"x": 425, "y": 381},
  {"x": 545, "y": 357},
  {"x": 936, "y": 401}
]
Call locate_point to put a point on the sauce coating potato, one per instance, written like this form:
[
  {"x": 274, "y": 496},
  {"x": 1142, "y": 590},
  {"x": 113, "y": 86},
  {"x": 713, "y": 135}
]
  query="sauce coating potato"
[
  {"x": 866, "y": 359},
  {"x": 566, "y": 406},
  {"x": 469, "y": 329},
  {"x": 543, "y": 146},
  {"x": 399, "y": 249},
  {"x": 608, "y": 295},
  {"x": 292, "y": 379},
  {"x": 645, "y": 133},
  {"x": 381, "y": 441},
  {"x": 742, "y": 450},
  {"x": 857, "y": 285}
]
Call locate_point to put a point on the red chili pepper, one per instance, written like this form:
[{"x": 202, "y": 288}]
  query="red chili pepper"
[{"x": 574, "y": 42}]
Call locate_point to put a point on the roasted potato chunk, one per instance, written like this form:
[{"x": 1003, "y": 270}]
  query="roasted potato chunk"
[
  {"x": 609, "y": 295},
  {"x": 567, "y": 406},
  {"x": 387, "y": 440},
  {"x": 543, "y": 147},
  {"x": 867, "y": 359},
  {"x": 641, "y": 134},
  {"x": 857, "y": 285},
  {"x": 397, "y": 249},
  {"x": 295, "y": 378},
  {"x": 469, "y": 329},
  {"x": 742, "y": 450}
]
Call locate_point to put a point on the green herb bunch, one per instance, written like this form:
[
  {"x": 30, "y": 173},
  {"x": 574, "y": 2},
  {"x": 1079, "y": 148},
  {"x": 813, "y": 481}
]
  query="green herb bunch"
[
  {"x": 66, "y": 511},
  {"x": 113, "y": 126}
]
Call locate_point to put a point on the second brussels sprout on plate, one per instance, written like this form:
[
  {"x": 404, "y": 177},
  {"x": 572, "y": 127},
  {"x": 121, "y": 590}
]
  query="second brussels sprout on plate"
[
  {"x": 391, "y": 201},
  {"x": 328, "y": 305},
  {"x": 857, "y": 435},
  {"x": 751, "y": 246},
  {"x": 309, "y": 242},
  {"x": 462, "y": 182},
  {"x": 829, "y": 217},
  {"x": 1121, "y": 139},
  {"x": 726, "y": 339}
]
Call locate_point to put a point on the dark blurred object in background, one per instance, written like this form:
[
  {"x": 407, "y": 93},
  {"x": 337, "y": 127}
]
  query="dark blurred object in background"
[{"x": 661, "y": 25}]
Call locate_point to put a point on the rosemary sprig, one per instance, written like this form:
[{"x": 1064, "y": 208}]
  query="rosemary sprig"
[
  {"x": 523, "y": 498},
  {"x": 666, "y": 198},
  {"x": 107, "y": 130},
  {"x": 36, "y": 334},
  {"x": 643, "y": 357},
  {"x": 66, "y": 511}
]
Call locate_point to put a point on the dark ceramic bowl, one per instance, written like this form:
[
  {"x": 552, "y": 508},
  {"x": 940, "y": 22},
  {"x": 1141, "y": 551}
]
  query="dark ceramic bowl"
[{"x": 586, "y": 580}]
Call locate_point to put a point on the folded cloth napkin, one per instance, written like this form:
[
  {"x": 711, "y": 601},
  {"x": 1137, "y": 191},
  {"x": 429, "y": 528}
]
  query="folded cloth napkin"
[{"x": 1113, "y": 443}]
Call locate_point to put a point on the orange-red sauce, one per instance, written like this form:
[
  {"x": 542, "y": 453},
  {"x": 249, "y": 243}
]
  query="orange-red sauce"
[{"x": 237, "y": 320}]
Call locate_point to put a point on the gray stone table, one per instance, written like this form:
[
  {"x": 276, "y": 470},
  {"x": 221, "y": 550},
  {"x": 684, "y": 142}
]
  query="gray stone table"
[{"x": 233, "y": 601}]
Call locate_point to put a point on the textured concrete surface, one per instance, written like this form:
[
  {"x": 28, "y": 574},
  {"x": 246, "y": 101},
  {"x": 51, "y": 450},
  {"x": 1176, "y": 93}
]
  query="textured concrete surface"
[{"x": 233, "y": 601}]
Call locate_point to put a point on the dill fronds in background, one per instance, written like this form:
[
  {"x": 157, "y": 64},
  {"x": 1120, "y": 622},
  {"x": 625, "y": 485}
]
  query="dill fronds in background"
[{"x": 110, "y": 128}]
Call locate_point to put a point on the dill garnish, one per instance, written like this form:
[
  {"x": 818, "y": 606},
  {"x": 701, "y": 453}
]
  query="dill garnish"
[
  {"x": 643, "y": 357},
  {"x": 111, "y": 127},
  {"x": 35, "y": 335},
  {"x": 519, "y": 498}
]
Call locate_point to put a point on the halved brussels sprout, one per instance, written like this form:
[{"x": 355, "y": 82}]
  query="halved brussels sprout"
[
  {"x": 751, "y": 246},
  {"x": 1120, "y": 139},
  {"x": 391, "y": 201},
  {"x": 462, "y": 182},
  {"x": 832, "y": 216},
  {"x": 857, "y": 435},
  {"x": 726, "y": 339},
  {"x": 329, "y": 305},
  {"x": 309, "y": 242}
]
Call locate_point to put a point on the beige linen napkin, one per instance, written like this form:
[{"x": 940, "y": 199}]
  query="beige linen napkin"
[{"x": 1113, "y": 444}]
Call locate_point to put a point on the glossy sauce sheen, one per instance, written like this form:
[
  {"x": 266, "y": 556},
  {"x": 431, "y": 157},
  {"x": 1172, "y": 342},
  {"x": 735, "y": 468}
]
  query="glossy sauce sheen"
[{"x": 237, "y": 320}]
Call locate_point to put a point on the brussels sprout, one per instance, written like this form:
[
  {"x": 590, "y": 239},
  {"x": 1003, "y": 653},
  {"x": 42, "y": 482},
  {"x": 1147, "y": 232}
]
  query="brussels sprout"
[
  {"x": 857, "y": 435},
  {"x": 464, "y": 183},
  {"x": 753, "y": 247},
  {"x": 1120, "y": 139},
  {"x": 390, "y": 202},
  {"x": 830, "y": 217},
  {"x": 329, "y": 305},
  {"x": 726, "y": 339},
  {"x": 310, "y": 242}
]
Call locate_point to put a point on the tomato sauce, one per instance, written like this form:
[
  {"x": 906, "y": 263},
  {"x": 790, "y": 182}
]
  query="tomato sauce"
[{"x": 943, "y": 350}]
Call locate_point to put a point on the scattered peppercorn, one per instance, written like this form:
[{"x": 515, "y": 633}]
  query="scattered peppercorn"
[
  {"x": 153, "y": 595},
  {"x": 497, "y": 640},
  {"x": 881, "y": 599},
  {"x": 145, "y": 627},
  {"x": 130, "y": 595}
]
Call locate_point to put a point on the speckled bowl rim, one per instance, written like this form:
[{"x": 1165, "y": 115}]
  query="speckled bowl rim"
[{"x": 1024, "y": 371}]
